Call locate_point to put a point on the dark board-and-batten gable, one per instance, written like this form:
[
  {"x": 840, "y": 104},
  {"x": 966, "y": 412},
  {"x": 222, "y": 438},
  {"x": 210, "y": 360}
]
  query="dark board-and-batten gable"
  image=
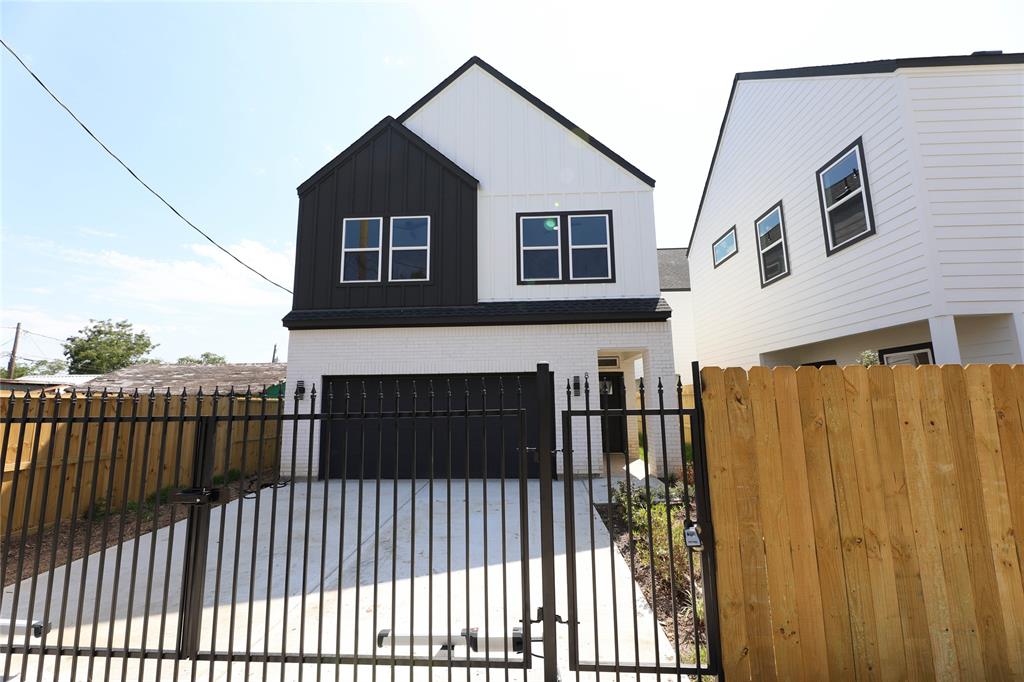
[{"x": 388, "y": 172}]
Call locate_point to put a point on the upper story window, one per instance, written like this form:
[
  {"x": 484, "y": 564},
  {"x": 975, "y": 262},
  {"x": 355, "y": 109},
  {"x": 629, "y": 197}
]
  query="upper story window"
[
  {"x": 540, "y": 247},
  {"x": 771, "y": 245},
  {"x": 845, "y": 199},
  {"x": 360, "y": 249},
  {"x": 585, "y": 254},
  {"x": 590, "y": 251},
  {"x": 410, "y": 249},
  {"x": 725, "y": 247}
]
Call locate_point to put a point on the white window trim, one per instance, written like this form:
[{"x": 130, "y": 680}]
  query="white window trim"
[
  {"x": 557, "y": 248},
  {"x": 392, "y": 248},
  {"x": 780, "y": 240},
  {"x": 868, "y": 227},
  {"x": 909, "y": 353},
  {"x": 354, "y": 249},
  {"x": 607, "y": 246},
  {"x": 735, "y": 246}
]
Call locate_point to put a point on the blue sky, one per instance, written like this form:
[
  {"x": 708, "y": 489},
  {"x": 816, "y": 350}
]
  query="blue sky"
[{"x": 226, "y": 107}]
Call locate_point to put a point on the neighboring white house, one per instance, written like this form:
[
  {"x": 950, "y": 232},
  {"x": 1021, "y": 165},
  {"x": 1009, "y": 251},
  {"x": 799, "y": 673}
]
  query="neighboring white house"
[
  {"x": 870, "y": 206},
  {"x": 479, "y": 233},
  {"x": 674, "y": 274}
]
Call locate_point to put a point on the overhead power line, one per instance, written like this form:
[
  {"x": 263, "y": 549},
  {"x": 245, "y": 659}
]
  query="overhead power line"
[{"x": 134, "y": 175}]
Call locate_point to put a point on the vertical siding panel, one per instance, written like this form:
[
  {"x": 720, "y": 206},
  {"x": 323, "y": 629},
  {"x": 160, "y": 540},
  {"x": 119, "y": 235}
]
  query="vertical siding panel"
[
  {"x": 755, "y": 579},
  {"x": 988, "y": 608},
  {"x": 838, "y": 635},
  {"x": 801, "y": 526},
  {"x": 775, "y": 525},
  {"x": 721, "y": 475},
  {"x": 851, "y": 524},
  {"x": 919, "y": 491},
  {"x": 949, "y": 522},
  {"x": 878, "y": 546}
]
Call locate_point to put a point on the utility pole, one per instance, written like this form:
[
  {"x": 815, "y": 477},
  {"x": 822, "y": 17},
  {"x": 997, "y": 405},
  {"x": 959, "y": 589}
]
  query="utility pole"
[
  {"x": 14, "y": 352},
  {"x": 273, "y": 356}
]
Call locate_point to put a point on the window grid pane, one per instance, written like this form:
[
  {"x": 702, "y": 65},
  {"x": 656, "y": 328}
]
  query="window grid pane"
[
  {"x": 725, "y": 246},
  {"x": 361, "y": 249}
]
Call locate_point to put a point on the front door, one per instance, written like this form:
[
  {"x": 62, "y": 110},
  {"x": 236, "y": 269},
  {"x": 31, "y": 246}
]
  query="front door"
[{"x": 613, "y": 397}]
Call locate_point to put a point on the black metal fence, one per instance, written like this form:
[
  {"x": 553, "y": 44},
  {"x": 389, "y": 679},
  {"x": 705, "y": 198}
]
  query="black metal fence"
[{"x": 415, "y": 545}]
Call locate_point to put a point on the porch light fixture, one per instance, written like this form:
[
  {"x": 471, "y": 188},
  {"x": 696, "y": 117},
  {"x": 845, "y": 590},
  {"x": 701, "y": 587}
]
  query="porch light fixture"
[
  {"x": 300, "y": 389},
  {"x": 576, "y": 386}
]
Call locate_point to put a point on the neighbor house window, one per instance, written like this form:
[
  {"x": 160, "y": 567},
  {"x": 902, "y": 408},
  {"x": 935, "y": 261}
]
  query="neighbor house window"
[
  {"x": 540, "y": 248},
  {"x": 845, "y": 199},
  {"x": 410, "y": 249},
  {"x": 590, "y": 253},
  {"x": 725, "y": 247},
  {"x": 360, "y": 249},
  {"x": 920, "y": 354},
  {"x": 771, "y": 245}
]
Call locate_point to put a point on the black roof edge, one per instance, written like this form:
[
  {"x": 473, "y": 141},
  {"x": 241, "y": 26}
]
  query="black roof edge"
[
  {"x": 387, "y": 121},
  {"x": 853, "y": 68},
  {"x": 535, "y": 101},
  {"x": 886, "y": 65}
]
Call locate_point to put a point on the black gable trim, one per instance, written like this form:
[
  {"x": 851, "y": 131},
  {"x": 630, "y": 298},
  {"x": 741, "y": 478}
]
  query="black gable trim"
[
  {"x": 388, "y": 122},
  {"x": 501, "y": 313},
  {"x": 854, "y": 68},
  {"x": 535, "y": 101}
]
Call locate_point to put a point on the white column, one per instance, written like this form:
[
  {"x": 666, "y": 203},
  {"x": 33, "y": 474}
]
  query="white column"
[
  {"x": 1017, "y": 324},
  {"x": 944, "y": 341}
]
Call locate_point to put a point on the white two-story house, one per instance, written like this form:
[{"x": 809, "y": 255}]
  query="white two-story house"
[
  {"x": 478, "y": 233},
  {"x": 870, "y": 206}
]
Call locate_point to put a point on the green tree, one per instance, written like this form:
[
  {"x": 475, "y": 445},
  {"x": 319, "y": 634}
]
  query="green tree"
[
  {"x": 204, "y": 359},
  {"x": 105, "y": 346},
  {"x": 40, "y": 367}
]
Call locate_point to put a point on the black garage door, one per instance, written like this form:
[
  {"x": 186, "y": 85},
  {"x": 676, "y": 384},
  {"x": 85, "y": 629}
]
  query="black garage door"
[{"x": 440, "y": 438}]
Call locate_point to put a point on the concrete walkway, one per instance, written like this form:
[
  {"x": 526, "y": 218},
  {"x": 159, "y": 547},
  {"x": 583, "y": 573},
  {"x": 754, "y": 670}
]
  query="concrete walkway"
[{"x": 352, "y": 588}]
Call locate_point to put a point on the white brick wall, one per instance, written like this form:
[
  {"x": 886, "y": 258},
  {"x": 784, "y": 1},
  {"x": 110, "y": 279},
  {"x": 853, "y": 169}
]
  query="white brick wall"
[{"x": 569, "y": 349}]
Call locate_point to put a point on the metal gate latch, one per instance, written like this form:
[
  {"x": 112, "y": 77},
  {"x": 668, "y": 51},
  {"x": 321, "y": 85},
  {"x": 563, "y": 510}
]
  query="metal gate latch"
[
  {"x": 540, "y": 617},
  {"x": 692, "y": 537},
  {"x": 196, "y": 496}
]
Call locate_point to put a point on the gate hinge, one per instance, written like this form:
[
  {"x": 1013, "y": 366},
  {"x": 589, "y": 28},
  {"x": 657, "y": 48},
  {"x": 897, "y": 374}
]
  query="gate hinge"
[{"x": 196, "y": 496}]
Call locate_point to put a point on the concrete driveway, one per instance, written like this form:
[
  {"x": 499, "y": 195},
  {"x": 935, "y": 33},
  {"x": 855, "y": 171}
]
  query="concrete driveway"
[{"x": 346, "y": 599}]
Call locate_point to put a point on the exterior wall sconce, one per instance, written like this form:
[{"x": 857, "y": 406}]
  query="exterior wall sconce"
[
  {"x": 300, "y": 389},
  {"x": 576, "y": 386}
]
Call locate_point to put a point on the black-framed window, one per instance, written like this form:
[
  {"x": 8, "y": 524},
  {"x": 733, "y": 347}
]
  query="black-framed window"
[
  {"x": 409, "y": 254},
  {"x": 772, "y": 255},
  {"x": 361, "y": 249},
  {"x": 819, "y": 363},
  {"x": 914, "y": 355},
  {"x": 845, "y": 199},
  {"x": 725, "y": 247},
  {"x": 563, "y": 247}
]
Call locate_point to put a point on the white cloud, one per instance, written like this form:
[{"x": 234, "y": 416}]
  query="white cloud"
[{"x": 93, "y": 232}]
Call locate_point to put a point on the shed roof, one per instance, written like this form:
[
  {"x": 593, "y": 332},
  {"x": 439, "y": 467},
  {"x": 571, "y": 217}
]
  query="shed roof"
[
  {"x": 674, "y": 269},
  {"x": 193, "y": 377}
]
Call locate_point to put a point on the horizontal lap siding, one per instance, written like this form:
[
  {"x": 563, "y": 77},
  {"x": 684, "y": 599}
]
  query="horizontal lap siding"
[
  {"x": 970, "y": 130},
  {"x": 778, "y": 134},
  {"x": 526, "y": 161},
  {"x": 895, "y": 550}
]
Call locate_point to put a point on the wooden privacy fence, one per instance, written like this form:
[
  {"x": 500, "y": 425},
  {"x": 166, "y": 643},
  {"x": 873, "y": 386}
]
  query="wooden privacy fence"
[
  {"x": 868, "y": 521},
  {"x": 41, "y": 445}
]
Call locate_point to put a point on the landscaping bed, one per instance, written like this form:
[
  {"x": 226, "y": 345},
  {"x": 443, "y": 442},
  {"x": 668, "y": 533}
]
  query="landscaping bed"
[{"x": 683, "y": 606}]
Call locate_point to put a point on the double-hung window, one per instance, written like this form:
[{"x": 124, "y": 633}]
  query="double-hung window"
[
  {"x": 360, "y": 249},
  {"x": 590, "y": 253},
  {"x": 845, "y": 199},
  {"x": 540, "y": 248},
  {"x": 410, "y": 249},
  {"x": 771, "y": 245}
]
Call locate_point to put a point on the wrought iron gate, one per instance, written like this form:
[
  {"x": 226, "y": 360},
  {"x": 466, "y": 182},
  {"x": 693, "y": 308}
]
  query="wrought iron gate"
[{"x": 157, "y": 536}]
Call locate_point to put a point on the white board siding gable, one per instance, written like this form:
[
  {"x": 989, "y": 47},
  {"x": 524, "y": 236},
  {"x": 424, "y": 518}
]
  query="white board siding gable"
[
  {"x": 779, "y": 132},
  {"x": 527, "y": 161},
  {"x": 969, "y": 124}
]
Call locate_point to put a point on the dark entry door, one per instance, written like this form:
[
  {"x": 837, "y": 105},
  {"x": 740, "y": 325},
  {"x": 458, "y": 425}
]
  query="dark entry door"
[
  {"x": 430, "y": 436},
  {"x": 613, "y": 397}
]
